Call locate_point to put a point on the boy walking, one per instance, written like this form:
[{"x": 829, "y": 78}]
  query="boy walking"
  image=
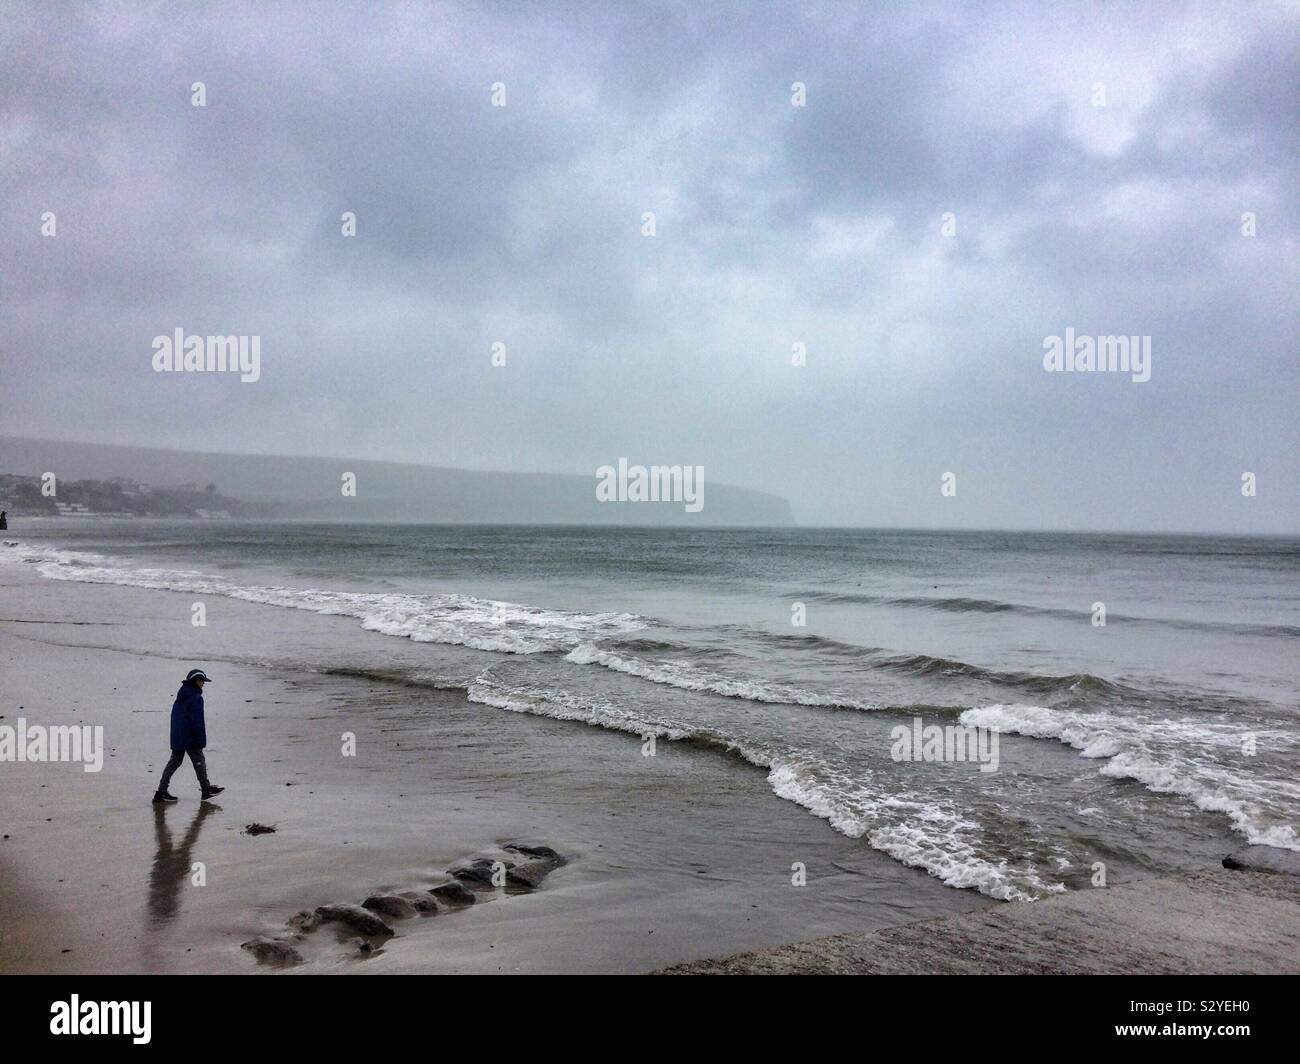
[{"x": 189, "y": 736}]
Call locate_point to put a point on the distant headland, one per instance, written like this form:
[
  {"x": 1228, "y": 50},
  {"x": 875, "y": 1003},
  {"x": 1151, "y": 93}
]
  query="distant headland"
[{"x": 108, "y": 480}]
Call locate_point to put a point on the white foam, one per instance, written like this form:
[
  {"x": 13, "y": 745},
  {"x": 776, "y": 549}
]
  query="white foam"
[
  {"x": 692, "y": 678},
  {"x": 460, "y": 620},
  {"x": 917, "y": 831},
  {"x": 1164, "y": 778},
  {"x": 920, "y": 832},
  {"x": 1167, "y": 756}
]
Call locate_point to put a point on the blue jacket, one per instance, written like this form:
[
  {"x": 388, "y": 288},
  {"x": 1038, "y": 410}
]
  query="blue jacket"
[{"x": 188, "y": 730}]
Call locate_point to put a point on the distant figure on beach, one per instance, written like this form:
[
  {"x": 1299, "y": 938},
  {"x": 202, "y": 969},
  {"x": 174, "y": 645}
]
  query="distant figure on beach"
[
  {"x": 189, "y": 736},
  {"x": 4, "y": 521}
]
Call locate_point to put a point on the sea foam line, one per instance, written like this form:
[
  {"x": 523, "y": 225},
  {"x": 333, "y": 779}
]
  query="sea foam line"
[
  {"x": 459, "y": 620},
  {"x": 692, "y": 678},
  {"x": 1126, "y": 746}
]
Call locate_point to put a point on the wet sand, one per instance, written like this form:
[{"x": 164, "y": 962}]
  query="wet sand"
[
  {"x": 671, "y": 858},
  {"x": 1220, "y": 922}
]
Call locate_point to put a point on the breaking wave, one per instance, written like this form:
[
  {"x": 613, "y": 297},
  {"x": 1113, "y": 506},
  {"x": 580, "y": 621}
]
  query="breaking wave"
[
  {"x": 459, "y": 620},
  {"x": 1165, "y": 756}
]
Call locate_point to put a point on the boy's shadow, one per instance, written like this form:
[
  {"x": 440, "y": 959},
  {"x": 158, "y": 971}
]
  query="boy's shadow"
[{"x": 171, "y": 863}]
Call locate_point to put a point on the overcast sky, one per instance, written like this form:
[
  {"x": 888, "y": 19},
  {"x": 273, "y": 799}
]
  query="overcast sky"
[{"x": 775, "y": 224}]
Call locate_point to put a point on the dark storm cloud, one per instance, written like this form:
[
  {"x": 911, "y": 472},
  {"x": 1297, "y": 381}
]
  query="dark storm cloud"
[{"x": 776, "y": 224}]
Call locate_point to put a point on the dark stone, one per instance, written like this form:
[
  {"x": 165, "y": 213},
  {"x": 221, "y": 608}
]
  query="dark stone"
[
  {"x": 305, "y": 919},
  {"x": 390, "y": 905},
  {"x": 478, "y": 872},
  {"x": 272, "y": 951},
  {"x": 422, "y": 903},
  {"x": 530, "y": 874},
  {"x": 1264, "y": 859},
  {"x": 531, "y": 851},
  {"x": 453, "y": 893},
  {"x": 358, "y": 919}
]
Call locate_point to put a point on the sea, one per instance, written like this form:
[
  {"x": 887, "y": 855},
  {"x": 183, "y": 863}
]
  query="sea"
[{"x": 1134, "y": 697}]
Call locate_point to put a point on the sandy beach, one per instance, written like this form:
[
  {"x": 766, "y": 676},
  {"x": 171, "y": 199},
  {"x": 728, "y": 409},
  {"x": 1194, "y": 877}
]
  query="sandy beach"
[
  {"x": 1224, "y": 922},
  {"x": 668, "y": 861}
]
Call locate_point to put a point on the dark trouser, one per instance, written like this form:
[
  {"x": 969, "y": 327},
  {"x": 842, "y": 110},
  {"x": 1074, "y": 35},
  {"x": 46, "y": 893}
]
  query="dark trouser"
[{"x": 196, "y": 759}]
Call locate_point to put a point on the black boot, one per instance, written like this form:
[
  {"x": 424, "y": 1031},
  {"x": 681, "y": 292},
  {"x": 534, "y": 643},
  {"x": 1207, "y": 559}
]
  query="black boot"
[
  {"x": 163, "y": 796},
  {"x": 211, "y": 791}
]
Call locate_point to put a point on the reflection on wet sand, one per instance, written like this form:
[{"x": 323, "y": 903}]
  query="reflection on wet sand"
[{"x": 172, "y": 862}]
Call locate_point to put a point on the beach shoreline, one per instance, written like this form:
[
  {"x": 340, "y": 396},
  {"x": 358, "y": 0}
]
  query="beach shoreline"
[
  {"x": 1226, "y": 922},
  {"x": 681, "y": 862},
  {"x": 669, "y": 858}
]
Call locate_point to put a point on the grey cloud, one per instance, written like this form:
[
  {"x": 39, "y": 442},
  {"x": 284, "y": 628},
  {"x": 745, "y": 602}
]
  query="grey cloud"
[{"x": 776, "y": 224}]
